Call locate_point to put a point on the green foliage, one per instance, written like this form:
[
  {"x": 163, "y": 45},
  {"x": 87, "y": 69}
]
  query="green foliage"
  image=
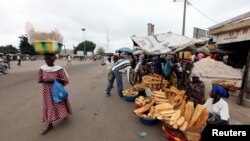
[
  {"x": 90, "y": 46},
  {"x": 25, "y": 47},
  {"x": 8, "y": 49},
  {"x": 100, "y": 51}
]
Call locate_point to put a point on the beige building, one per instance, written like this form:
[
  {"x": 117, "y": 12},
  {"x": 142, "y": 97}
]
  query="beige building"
[{"x": 234, "y": 35}]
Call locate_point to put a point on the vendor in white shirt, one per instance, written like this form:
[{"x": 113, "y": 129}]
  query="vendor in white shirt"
[{"x": 217, "y": 107}]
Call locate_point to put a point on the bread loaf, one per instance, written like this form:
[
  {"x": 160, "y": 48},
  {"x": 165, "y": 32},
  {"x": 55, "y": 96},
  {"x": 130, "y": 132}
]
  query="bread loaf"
[
  {"x": 175, "y": 126},
  {"x": 166, "y": 112},
  {"x": 176, "y": 115},
  {"x": 180, "y": 121},
  {"x": 164, "y": 106},
  {"x": 157, "y": 99},
  {"x": 202, "y": 118},
  {"x": 184, "y": 126},
  {"x": 171, "y": 98},
  {"x": 151, "y": 111},
  {"x": 177, "y": 99},
  {"x": 182, "y": 108},
  {"x": 172, "y": 122},
  {"x": 197, "y": 112},
  {"x": 143, "y": 109},
  {"x": 189, "y": 110}
]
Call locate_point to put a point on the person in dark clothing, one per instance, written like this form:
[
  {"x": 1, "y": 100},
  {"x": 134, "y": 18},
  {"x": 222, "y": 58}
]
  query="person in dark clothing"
[
  {"x": 158, "y": 66},
  {"x": 133, "y": 62},
  {"x": 8, "y": 61}
]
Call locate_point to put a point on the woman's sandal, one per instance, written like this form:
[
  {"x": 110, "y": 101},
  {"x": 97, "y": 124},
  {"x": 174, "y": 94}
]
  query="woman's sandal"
[{"x": 44, "y": 132}]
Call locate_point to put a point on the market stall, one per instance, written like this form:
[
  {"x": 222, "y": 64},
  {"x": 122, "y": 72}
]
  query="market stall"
[
  {"x": 157, "y": 100},
  {"x": 162, "y": 102}
]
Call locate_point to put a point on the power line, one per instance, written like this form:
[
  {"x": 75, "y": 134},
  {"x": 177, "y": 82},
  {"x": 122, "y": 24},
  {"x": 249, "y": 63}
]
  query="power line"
[{"x": 190, "y": 4}]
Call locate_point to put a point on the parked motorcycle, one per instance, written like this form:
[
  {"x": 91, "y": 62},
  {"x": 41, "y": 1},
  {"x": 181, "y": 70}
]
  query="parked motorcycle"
[{"x": 3, "y": 67}]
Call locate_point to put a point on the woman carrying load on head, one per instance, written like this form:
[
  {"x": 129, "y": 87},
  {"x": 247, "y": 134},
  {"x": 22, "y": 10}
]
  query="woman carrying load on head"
[{"x": 47, "y": 74}]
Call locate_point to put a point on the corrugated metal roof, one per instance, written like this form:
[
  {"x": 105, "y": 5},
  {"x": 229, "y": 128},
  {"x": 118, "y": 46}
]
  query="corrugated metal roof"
[{"x": 238, "y": 18}]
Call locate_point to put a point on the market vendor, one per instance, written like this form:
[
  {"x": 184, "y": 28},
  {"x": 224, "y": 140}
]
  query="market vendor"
[
  {"x": 169, "y": 73},
  {"x": 217, "y": 107},
  {"x": 196, "y": 89}
]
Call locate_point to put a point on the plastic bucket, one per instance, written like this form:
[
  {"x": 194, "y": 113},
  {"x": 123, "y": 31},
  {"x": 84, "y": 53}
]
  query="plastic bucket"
[
  {"x": 130, "y": 98},
  {"x": 148, "y": 121},
  {"x": 47, "y": 47}
]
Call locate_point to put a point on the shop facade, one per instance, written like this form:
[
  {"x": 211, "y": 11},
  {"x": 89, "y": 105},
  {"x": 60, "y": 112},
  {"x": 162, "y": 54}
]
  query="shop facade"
[{"x": 234, "y": 36}]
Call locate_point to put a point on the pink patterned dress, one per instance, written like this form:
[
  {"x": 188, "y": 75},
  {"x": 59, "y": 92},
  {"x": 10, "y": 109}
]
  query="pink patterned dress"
[{"x": 53, "y": 111}]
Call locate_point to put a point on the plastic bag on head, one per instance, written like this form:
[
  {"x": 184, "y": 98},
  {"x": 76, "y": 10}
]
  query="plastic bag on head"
[{"x": 39, "y": 36}]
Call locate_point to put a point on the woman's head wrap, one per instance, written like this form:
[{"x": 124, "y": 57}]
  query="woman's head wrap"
[
  {"x": 219, "y": 91},
  {"x": 195, "y": 74}
]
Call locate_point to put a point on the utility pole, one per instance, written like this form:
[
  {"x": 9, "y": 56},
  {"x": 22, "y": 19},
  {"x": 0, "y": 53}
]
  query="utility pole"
[
  {"x": 184, "y": 18},
  {"x": 64, "y": 50},
  {"x": 107, "y": 39},
  {"x": 83, "y": 29}
]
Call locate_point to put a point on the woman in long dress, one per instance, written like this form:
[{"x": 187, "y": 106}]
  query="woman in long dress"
[{"x": 52, "y": 111}]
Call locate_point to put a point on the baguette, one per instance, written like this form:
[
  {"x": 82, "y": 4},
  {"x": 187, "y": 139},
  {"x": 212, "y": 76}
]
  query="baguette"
[
  {"x": 176, "y": 115},
  {"x": 189, "y": 110},
  {"x": 172, "y": 122},
  {"x": 160, "y": 117},
  {"x": 142, "y": 110},
  {"x": 202, "y": 119},
  {"x": 197, "y": 112},
  {"x": 180, "y": 121},
  {"x": 171, "y": 98},
  {"x": 159, "y": 95},
  {"x": 175, "y": 126},
  {"x": 184, "y": 126},
  {"x": 175, "y": 90},
  {"x": 151, "y": 111},
  {"x": 164, "y": 106},
  {"x": 166, "y": 112},
  {"x": 154, "y": 115},
  {"x": 182, "y": 108}
]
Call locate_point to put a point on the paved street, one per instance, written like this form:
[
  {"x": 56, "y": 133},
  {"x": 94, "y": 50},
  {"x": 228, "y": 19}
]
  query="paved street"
[{"x": 95, "y": 117}]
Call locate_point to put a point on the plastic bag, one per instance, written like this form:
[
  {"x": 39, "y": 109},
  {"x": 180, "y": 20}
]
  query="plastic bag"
[
  {"x": 40, "y": 36},
  {"x": 58, "y": 92}
]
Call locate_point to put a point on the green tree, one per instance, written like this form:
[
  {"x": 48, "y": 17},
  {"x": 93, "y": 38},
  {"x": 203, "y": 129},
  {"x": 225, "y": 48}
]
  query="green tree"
[
  {"x": 100, "y": 51},
  {"x": 25, "y": 47},
  {"x": 8, "y": 49},
  {"x": 90, "y": 46}
]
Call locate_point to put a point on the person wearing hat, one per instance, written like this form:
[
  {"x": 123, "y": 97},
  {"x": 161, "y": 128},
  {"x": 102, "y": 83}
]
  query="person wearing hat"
[
  {"x": 196, "y": 89},
  {"x": 217, "y": 107}
]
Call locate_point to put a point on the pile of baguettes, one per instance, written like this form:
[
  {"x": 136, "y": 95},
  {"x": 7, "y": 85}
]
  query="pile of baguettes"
[
  {"x": 170, "y": 106},
  {"x": 153, "y": 82}
]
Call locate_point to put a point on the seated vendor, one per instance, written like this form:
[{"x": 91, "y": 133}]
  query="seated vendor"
[
  {"x": 217, "y": 107},
  {"x": 196, "y": 89}
]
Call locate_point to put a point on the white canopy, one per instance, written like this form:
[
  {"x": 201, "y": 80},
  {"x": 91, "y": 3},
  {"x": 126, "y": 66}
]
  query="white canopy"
[{"x": 165, "y": 43}]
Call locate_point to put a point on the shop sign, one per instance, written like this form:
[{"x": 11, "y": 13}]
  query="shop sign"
[{"x": 234, "y": 36}]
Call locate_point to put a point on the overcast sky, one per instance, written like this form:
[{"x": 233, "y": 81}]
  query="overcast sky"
[{"x": 122, "y": 17}]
